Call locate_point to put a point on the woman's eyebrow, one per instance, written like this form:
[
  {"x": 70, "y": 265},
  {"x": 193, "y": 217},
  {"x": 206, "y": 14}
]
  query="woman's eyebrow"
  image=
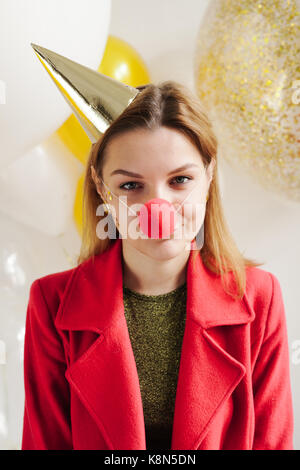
[{"x": 136, "y": 175}]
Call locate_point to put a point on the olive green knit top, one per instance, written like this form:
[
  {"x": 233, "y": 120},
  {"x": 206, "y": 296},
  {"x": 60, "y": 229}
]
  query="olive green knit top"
[{"x": 156, "y": 326}]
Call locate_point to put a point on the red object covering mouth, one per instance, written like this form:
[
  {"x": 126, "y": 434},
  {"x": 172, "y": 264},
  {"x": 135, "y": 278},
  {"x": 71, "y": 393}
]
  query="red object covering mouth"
[{"x": 157, "y": 218}]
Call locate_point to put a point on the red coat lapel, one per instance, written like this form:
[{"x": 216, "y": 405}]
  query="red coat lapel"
[{"x": 105, "y": 375}]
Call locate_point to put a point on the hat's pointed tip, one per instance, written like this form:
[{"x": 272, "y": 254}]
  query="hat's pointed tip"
[{"x": 37, "y": 49}]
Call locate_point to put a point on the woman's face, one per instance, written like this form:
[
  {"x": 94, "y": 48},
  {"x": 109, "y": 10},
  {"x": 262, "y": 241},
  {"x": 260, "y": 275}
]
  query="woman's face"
[{"x": 143, "y": 164}]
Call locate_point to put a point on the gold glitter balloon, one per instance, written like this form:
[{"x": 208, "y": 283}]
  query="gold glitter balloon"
[{"x": 247, "y": 73}]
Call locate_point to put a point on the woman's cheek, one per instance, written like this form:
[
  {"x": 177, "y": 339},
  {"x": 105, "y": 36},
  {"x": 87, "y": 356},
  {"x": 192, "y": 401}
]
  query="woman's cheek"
[
  {"x": 199, "y": 215},
  {"x": 129, "y": 223},
  {"x": 192, "y": 218}
]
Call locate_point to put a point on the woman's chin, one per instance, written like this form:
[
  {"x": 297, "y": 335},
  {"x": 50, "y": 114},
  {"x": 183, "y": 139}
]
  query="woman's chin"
[{"x": 164, "y": 248}]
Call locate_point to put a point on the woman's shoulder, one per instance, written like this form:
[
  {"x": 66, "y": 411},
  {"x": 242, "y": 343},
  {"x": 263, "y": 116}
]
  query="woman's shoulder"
[
  {"x": 260, "y": 283},
  {"x": 264, "y": 296},
  {"x": 52, "y": 287},
  {"x": 52, "y": 292}
]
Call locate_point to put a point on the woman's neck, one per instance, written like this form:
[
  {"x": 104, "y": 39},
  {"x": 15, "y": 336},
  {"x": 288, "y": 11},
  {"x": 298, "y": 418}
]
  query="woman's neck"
[{"x": 151, "y": 276}]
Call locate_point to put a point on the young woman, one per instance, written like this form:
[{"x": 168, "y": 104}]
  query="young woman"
[{"x": 157, "y": 343}]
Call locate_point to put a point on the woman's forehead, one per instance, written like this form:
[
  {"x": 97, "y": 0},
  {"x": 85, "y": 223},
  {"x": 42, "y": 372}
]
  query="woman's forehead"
[{"x": 165, "y": 147}]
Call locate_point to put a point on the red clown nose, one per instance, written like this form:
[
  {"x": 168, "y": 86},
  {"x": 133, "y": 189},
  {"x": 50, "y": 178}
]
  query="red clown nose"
[{"x": 157, "y": 218}]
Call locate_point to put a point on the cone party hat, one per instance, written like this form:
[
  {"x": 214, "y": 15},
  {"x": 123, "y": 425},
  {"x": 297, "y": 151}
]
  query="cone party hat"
[{"x": 96, "y": 99}]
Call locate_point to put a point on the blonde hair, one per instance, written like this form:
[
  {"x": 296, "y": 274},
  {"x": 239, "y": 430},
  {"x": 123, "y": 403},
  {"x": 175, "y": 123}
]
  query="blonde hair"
[{"x": 172, "y": 105}]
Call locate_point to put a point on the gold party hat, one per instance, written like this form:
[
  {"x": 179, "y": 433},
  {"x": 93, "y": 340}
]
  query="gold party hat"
[{"x": 96, "y": 99}]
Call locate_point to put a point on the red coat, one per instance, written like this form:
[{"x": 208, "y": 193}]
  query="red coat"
[{"x": 80, "y": 376}]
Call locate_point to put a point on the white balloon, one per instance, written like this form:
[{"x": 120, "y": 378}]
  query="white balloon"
[
  {"x": 39, "y": 188},
  {"x": 31, "y": 107}
]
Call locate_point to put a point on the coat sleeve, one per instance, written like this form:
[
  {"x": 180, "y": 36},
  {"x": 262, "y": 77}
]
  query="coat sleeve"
[
  {"x": 271, "y": 381},
  {"x": 46, "y": 419}
]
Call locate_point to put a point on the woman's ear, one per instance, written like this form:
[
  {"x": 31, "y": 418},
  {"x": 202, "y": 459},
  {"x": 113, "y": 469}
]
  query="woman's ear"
[
  {"x": 210, "y": 169},
  {"x": 96, "y": 181}
]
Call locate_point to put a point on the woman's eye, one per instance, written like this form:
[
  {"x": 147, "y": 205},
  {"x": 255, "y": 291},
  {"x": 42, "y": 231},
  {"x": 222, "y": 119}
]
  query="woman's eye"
[
  {"x": 123, "y": 186},
  {"x": 178, "y": 177}
]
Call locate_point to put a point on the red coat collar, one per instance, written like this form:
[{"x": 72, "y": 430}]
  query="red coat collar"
[
  {"x": 105, "y": 376},
  {"x": 99, "y": 281}
]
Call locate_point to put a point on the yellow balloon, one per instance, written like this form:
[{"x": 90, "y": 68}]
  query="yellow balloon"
[
  {"x": 75, "y": 138},
  {"x": 121, "y": 62}
]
